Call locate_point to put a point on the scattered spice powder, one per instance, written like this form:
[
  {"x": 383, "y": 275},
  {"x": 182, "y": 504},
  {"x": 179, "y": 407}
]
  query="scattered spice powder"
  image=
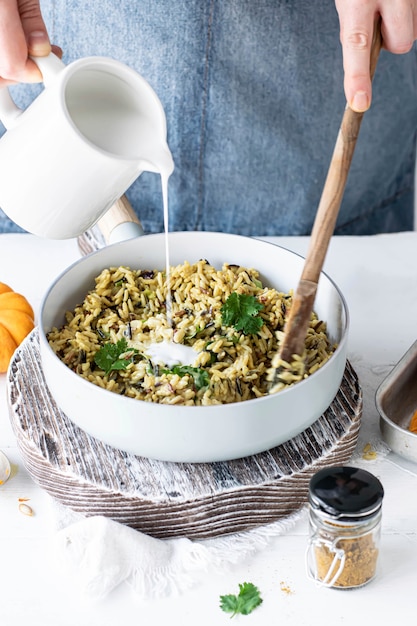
[
  {"x": 361, "y": 557},
  {"x": 285, "y": 588},
  {"x": 368, "y": 453}
]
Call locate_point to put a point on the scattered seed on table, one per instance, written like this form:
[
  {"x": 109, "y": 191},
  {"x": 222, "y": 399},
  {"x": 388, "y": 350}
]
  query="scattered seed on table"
[{"x": 25, "y": 509}]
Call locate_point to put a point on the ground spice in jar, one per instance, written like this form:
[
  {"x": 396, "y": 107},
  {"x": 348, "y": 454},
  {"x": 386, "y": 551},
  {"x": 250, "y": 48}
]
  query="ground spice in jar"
[
  {"x": 345, "y": 514},
  {"x": 361, "y": 555}
]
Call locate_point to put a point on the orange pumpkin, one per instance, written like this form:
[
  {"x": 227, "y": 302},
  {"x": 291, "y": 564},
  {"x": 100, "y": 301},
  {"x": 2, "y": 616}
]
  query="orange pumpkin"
[{"x": 17, "y": 319}]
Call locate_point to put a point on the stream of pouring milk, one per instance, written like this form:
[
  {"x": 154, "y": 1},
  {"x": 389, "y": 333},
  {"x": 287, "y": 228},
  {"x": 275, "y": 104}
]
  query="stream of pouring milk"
[{"x": 169, "y": 352}]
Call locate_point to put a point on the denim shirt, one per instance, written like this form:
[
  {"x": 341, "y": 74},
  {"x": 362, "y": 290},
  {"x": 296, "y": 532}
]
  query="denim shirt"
[{"x": 253, "y": 95}]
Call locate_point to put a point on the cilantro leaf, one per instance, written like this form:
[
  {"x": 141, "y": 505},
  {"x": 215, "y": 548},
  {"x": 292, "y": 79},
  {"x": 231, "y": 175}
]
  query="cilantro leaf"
[
  {"x": 250, "y": 598},
  {"x": 244, "y": 603},
  {"x": 242, "y": 312},
  {"x": 200, "y": 376},
  {"x": 114, "y": 356},
  {"x": 229, "y": 604}
]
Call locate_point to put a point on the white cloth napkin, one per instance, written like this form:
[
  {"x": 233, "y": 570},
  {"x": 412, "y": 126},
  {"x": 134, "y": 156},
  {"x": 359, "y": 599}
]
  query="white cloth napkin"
[{"x": 96, "y": 555}]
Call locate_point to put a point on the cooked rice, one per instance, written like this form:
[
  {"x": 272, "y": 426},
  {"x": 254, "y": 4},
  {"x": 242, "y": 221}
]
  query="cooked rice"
[{"x": 131, "y": 304}]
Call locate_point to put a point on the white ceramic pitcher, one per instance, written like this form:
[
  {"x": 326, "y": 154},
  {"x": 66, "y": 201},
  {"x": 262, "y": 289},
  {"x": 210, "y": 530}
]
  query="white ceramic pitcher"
[{"x": 95, "y": 127}]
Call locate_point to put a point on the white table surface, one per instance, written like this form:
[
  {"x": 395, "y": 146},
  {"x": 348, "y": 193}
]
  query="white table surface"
[{"x": 378, "y": 277}]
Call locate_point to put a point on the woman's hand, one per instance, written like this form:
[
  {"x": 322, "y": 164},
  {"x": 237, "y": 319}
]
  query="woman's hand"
[
  {"x": 22, "y": 33},
  {"x": 398, "y": 28}
]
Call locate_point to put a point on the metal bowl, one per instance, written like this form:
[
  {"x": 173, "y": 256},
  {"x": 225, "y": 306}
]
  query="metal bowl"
[
  {"x": 396, "y": 401},
  {"x": 188, "y": 433}
]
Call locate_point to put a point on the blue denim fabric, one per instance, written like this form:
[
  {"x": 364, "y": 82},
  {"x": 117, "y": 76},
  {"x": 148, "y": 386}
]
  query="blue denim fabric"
[{"x": 253, "y": 94}]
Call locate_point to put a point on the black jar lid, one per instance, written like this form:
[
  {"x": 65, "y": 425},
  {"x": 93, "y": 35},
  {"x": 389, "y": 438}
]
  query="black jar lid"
[{"x": 345, "y": 493}]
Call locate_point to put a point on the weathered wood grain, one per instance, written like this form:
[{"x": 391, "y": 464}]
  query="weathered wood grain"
[{"x": 171, "y": 499}]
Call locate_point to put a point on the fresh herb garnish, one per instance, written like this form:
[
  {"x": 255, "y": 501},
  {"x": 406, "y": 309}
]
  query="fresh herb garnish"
[
  {"x": 244, "y": 603},
  {"x": 200, "y": 376},
  {"x": 114, "y": 356},
  {"x": 242, "y": 312},
  {"x": 194, "y": 332}
]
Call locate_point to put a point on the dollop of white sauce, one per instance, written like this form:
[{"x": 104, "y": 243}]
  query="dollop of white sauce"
[{"x": 170, "y": 353}]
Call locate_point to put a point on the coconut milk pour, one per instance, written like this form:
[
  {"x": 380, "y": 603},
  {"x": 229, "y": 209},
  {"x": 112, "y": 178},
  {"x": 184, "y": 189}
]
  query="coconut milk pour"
[{"x": 168, "y": 352}]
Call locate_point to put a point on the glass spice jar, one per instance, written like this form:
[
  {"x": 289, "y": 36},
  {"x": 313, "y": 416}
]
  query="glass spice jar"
[{"x": 345, "y": 525}]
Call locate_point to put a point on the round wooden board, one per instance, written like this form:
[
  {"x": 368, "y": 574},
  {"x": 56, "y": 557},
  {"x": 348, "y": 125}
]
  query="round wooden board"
[{"x": 171, "y": 499}]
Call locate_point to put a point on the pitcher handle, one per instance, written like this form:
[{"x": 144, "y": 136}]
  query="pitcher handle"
[
  {"x": 50, "y": 66},
  {"x": 9, "y": 111}
]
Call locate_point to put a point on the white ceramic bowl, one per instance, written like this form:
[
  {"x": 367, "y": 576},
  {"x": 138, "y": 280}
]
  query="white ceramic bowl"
[{"x": 188, "y": 433}]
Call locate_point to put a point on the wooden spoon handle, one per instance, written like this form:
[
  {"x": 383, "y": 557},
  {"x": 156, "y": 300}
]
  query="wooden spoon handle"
[{"x": 303, "y": 301}]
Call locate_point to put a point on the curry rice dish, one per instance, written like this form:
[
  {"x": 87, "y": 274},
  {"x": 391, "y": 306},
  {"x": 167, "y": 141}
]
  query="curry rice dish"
[{"x": 232, "y": 322}]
